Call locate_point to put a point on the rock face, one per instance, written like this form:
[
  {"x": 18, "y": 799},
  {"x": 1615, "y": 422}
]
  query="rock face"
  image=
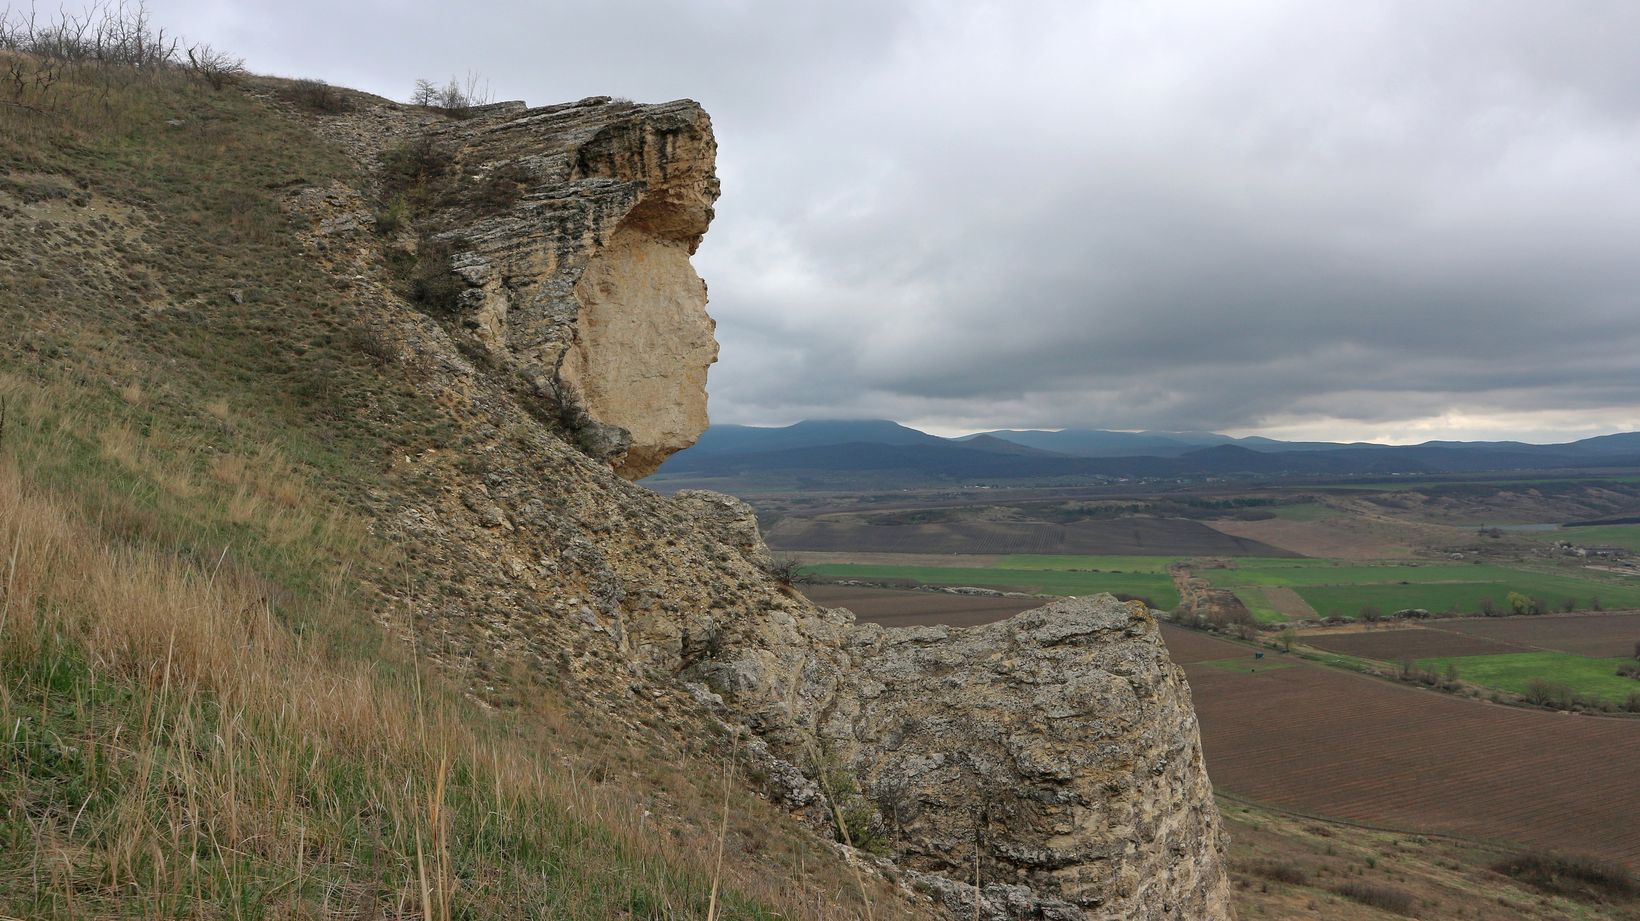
[
  {"x": 1060, "y": 745},
  {"x": 1057, "y": 748},
  {"x": 582, "y": 288}
]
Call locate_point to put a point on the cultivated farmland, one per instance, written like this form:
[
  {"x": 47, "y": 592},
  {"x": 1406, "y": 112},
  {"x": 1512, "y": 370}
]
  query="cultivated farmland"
[
  {"x": 1518, "y": 672},
  {"x": 1156, "y": 587},
  {"x": 1335, "y": 743},
  {"x": 1343, "y": 589},
  {"x": 1610, "y": 535},
  {"x": 1608, "y": 634},
  {"x": 1405, "y": 644},
  {"x": 1136, "y": 535},
  {"x": 902, "y": 608}
]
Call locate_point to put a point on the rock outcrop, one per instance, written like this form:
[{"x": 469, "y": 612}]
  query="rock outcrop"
[
  {"x": 582, "y": 287},
  {"x": 1058, "y": 748}
]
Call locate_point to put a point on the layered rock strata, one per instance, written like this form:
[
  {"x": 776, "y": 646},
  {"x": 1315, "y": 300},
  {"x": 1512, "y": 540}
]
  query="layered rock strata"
[
  {"x": 582, "y": 288},
  {"x": 1054, "y": 755}
]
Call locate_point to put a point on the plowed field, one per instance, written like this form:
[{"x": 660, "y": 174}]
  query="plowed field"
[
  {"x": 893, "y": 608},
  {"x": 1186, "y": 646},
  {"x": 1339, "y": 744},
  {"x": 1599, "y": 635},
  {"x": 1409, "y": 643}
]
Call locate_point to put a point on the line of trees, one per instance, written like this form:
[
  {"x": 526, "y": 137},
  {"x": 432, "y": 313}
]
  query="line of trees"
[{"x": 111, "y": 36}]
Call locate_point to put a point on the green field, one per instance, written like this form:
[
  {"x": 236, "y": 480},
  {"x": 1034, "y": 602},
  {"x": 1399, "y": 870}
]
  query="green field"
[
  {"x": 1342, "y": 589},
  {"x": 1333, "y": 589},
  {"x": 1157, "y": 587},
  {"x": 1589, "y": 677},
  {"x": 1302, "y": 572},
  {"x": 1254, "y": 600}
]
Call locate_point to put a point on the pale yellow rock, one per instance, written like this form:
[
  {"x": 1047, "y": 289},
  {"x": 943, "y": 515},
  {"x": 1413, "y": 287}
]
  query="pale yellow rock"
[{"x": 642, "y": 345}]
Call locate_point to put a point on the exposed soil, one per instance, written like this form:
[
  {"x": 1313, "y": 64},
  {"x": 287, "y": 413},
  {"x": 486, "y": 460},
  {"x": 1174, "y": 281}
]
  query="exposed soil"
[
  {"x": 1605, "y": 634},
  {"x": 1339, "y": 539},
  {"x": 1335, "y": 743},
  {"x": 1189, "y": 646},
  {"x": 898, "y": 608},
  {"x": 1394, "y": 645}
]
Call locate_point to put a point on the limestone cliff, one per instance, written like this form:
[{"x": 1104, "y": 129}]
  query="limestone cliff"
[
  {"x": 1057, "y": 749},
  {"x": 582, "y": 288}
]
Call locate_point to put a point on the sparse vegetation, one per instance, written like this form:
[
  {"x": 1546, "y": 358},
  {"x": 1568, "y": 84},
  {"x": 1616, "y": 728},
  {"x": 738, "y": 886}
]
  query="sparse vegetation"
[
  {"x": 787, "y": 570},
  {"x": 456, "y": 97},
  {"x": 1571, "y": 875},
  {"x": 1378, "y": 896},
  {"x": 318, "y": 97}
]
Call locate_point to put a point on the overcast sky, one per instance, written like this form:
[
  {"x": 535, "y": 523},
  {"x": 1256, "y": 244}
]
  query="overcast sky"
[{"x": 1384, "y": 220}]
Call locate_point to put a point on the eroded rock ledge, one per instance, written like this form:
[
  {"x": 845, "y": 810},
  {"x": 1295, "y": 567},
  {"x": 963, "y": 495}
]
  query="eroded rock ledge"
[
  {"x": 1058, "y": 747},
  {"x": 582, "y": 288}
]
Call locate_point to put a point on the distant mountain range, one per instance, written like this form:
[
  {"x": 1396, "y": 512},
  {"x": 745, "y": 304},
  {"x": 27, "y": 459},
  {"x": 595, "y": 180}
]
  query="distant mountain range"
[{"x": 881, "y": 449}]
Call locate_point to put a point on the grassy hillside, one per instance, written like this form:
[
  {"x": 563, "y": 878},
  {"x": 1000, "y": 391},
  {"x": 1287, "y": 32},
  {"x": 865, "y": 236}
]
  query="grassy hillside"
[{"x": 202, "y": 715}]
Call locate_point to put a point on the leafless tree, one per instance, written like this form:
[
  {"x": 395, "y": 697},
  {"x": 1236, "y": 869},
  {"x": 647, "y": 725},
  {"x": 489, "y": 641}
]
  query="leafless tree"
[{"x": 457, "y": 97}]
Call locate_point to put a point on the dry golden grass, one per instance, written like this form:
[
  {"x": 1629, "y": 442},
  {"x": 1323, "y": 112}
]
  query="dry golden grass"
[
  {"x": 202, "y": 717},
  {"x": 185, "y": 742}
]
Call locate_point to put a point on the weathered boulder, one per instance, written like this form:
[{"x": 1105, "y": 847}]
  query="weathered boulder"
[{"x": 1059, "y": 747}]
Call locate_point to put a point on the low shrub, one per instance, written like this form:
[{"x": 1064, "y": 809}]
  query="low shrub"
[
  {"x": 1382, "y": 897},
  {"x": 1279, "y": 871},
  {"x": 432, "y": 284},
  {"x": 317, "y": 96},
  {"x": 1574, "y": 875},
  {"x": 787, "y": 570}
]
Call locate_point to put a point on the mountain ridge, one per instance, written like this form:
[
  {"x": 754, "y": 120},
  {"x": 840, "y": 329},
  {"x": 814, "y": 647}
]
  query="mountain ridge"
[{"x": 877, "y": 445}]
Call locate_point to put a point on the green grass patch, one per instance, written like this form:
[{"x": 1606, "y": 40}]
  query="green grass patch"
[
  {"x": 1156, "y": 588},
  {"x": 1515, "y": 671},
  {"x": 1258, "y": 604},
  {"x": 1295, "y": 573},
  {"x": 1468, "y": 597},
  {"x": 1343, "y": 589}
]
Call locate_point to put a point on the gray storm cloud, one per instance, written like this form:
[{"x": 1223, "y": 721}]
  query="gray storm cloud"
[{"x": 1403, "y": 220}]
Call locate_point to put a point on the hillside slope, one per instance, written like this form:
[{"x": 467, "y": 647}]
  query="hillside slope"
[{"x": 317, "y": 371}]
